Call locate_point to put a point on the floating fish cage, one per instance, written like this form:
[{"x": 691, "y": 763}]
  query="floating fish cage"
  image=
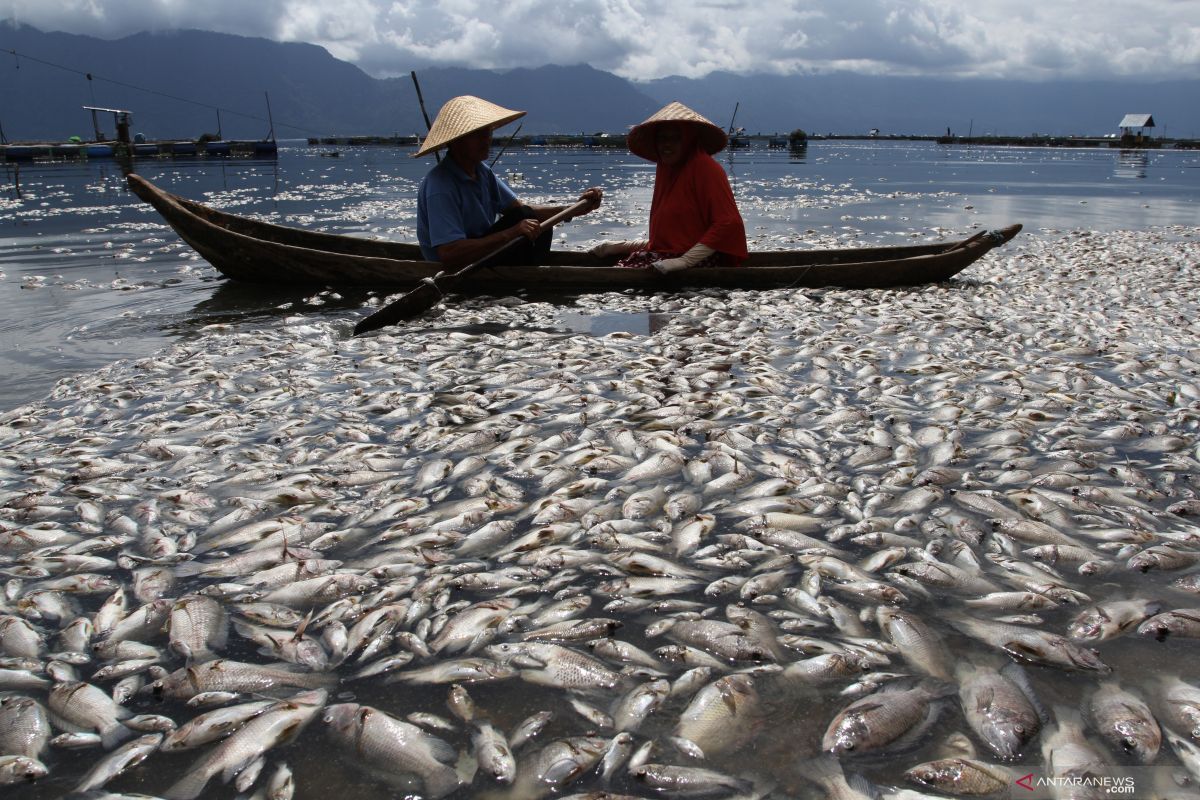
[{"x": 55, "y": 151}]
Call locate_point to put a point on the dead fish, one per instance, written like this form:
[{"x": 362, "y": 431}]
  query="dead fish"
[
  {"x": 632, "y": 710},
  {"x": 1178, "y": 703},
  {"x": 1108, "y": 620},
  {"x": 1032, "y": 646},
  {"x": 557, "y": 764},
  {"x": 548, "y": 664},
  {"x": 197, "y": 627},
  {"x": 961, "y": 776},
  {"x": 722, "y": 716},
  {"x": 213, "y": 725},
  {"x": 224, "y": 675},
  {"x": 118, "y": 761},
  {"x": 889, "y": 719},
  {"x": 1066, "y": 750},
  {"x": 1182, "y": 622},
  {"x": 24, "y": 727},
  {"x": 393, "y": 748},
  {"x": 998, "y": 709},
  {"x": 919, "y": 644},
  {"x": 676, "y": 781},
  {"x": 280, "y": 724},
  {"x": 15, "y": 769},
  {"x": 493, "y": 754},
  {"x": 1125, "y": 721},
  {"x": 87, "y": 707},
  {"x": 529, "y": 728}
]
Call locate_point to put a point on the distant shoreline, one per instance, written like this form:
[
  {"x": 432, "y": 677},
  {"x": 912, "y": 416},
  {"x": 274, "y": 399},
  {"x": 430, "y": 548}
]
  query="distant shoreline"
[{"x": 781, "y": 140}]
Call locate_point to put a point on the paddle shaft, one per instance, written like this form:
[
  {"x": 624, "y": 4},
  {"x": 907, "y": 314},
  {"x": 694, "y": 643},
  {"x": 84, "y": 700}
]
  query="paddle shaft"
[{"x": 428, "y": 293}]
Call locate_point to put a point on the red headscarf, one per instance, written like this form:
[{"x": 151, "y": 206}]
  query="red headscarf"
[{"x": 693, "y": 204}]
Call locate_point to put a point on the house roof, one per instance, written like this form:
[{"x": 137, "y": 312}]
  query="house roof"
[{"x": 1137, "y": 121}]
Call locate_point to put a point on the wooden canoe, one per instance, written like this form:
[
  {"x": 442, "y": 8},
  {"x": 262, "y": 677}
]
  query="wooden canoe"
[{"x": 258, "y": 252}]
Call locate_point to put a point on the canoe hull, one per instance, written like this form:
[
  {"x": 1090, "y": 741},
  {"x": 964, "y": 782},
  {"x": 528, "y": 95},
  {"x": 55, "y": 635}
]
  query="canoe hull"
[{"x": 257, "y": 252}]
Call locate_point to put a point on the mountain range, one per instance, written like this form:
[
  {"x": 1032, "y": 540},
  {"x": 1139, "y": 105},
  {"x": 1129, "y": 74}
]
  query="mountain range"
[{"x": 184, "y": 83}]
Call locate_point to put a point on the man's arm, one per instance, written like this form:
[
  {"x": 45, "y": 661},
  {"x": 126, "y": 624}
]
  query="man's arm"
[
  {"x": 592, "y": 195},
  {"x": 455, "y": 255},
  {"x": 460, "y": 253}
]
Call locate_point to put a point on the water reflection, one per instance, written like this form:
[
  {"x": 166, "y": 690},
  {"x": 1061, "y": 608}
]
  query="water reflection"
[
  {"x": 613, "y": 322},
  {"x": 1131, "y": 164}
]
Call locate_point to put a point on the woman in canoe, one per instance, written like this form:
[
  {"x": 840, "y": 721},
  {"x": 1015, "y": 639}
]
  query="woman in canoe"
[{"x": 694, "y": 221}]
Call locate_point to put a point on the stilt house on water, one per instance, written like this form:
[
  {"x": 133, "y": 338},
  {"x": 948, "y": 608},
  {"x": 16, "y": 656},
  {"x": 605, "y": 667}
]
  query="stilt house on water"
[{"x": 1141, "y": 122}]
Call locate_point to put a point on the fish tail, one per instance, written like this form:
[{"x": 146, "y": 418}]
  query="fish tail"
[
  {"x": 441, "y": 782},
  {"x": 116, "y": 734},
  {"x": 188, "y": 787}
]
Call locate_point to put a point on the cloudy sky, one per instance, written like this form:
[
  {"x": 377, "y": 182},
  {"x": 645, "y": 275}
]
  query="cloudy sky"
[{"x": 644, "y": 39}]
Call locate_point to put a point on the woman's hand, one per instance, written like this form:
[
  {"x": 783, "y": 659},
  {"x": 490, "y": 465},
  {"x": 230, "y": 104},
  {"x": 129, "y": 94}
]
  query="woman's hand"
[
  {"x": 610, "y": 249},
  {"x": 668, "y": 265}
]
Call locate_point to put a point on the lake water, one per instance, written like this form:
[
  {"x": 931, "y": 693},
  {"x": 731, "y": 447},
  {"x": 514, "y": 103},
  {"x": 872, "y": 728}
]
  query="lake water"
[
  {"x": 664, "y": 459},
  {"x": 90, "y": 274}
]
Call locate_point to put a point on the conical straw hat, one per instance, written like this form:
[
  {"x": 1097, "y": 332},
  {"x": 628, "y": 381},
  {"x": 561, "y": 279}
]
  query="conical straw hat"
[
  {"x": 641, "y": 137},
  {"x": 463, "y": 115}
]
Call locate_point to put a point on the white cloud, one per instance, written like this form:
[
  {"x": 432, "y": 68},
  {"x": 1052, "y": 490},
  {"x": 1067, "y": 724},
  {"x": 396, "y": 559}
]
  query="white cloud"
[{"x": 641, "y": 39}]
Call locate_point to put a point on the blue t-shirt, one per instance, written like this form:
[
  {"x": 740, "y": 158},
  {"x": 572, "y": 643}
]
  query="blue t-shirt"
[{"x": 451, "y": 206}]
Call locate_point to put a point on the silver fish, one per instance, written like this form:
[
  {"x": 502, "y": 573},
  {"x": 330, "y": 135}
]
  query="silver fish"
[
  {"x": 722, "y": 716},
  {"x": 87, "y": 707},
  {"x": 961, "y": 776},
  {"x": 224, "y": 675},
  {"x": 631, "y": 710},
  {"x": 997, "y": 709},
  {"x": 1182, "y": 622},
  {"x": 394, "y": 749},
  {"x": 118, "y": 761},
  {"x": 24, "y": 727},
  {"x": 16, "y": 769},
  {"x": 212, "y": 725},
  {"x": 1125, "y": 721},
  {"x": 557, "y": 764},
  {"x": 675, "y": 781},
  {"x": 920, "y": 646},
  {"x": 888, "y": 719},
  {"x": 1108, "y": 620},
  {"x": 548, "y": 664},
  {"x": 1032, "y": 646},
  {"x": 280, "y": 724},
  {"x": 493, "y": 754}
]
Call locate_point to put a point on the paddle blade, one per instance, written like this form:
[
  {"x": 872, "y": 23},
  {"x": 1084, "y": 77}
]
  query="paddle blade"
[{"x": 413, "y": 304}]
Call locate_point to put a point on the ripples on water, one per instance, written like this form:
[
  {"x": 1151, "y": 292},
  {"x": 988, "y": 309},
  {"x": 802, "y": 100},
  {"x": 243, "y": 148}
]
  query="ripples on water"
[{"x": 1065, "y": 349}]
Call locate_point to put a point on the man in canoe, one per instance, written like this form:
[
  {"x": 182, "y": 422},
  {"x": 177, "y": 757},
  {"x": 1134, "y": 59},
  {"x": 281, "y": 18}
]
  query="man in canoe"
[
  {"x": 694, "y": 221},
  {"x": 464, "y": 211}
]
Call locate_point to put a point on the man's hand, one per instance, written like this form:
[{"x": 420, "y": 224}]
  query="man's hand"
[
  {"x": 593, "y": 196},
  {"x": 528, "y": 228}
]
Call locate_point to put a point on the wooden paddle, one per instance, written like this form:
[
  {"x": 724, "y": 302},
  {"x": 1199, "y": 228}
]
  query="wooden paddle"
[{"x": 429, "y": 291}]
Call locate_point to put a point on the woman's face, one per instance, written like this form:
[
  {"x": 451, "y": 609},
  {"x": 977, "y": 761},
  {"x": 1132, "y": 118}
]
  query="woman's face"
[{"x": 669, "y": 142}]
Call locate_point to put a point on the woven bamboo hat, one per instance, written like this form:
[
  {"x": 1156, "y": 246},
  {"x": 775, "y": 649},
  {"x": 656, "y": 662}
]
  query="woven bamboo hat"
[
  {"x": 461, "y": 116},
  {"x": 641, "y": 137}
]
